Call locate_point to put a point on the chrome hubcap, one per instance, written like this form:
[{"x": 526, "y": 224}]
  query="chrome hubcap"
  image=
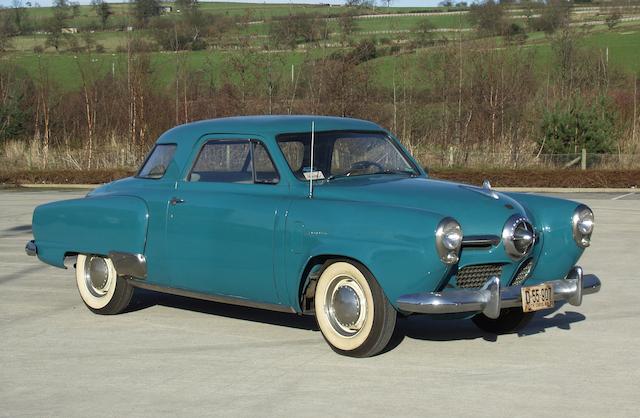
[
  {"x": 345, "y": 306},
  {"x": 96, "y": 276}
]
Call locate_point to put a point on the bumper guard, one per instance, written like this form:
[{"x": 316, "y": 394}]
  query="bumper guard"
[
  {"x": 31, "y": 248},
  {"x": 491, "y": 298}
]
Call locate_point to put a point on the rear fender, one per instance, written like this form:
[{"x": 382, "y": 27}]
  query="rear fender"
[{"x": 94, "y": 225}]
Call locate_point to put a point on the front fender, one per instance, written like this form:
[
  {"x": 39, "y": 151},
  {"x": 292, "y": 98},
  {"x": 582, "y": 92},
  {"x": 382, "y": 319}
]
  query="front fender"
[
  {"x": 396, "y": 244},
  {"x": 92, "y": 225},
  {"x": 552, "y": 218}
]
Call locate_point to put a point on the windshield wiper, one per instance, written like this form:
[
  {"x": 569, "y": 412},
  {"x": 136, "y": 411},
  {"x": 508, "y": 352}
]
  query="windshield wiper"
[
  {"x": 403, "y": 172},
  {"x": 337, "y": 176}
]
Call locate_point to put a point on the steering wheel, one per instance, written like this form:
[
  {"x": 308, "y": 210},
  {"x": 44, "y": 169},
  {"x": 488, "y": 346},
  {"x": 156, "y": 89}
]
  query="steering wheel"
[{"x": 363, "y": 165}]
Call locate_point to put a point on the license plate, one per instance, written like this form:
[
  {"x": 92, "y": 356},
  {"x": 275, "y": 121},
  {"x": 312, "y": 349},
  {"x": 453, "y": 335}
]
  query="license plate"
[{"x": 535, "y": 298}]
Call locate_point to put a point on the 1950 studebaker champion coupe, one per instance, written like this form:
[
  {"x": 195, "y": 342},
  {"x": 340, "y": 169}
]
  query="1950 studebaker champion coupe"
[{"x": 319, "y": 215}]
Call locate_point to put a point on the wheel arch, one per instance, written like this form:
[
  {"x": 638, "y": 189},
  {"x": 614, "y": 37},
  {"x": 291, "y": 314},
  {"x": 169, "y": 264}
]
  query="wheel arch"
[{"x": 312, "y": 271}]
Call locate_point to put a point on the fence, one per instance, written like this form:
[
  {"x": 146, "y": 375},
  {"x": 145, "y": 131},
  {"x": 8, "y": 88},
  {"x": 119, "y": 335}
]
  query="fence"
[
  {"x": 478, "y": 160},
  {"x": 20, "y": 155}
]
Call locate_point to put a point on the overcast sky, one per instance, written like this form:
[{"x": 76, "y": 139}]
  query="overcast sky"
[{"x": 399, "y": 3}]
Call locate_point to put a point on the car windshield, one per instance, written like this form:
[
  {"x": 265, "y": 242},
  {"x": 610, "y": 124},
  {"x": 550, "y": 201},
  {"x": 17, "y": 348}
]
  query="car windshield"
[
  {"x": 343, "y": 154},
  {"x": 157, "y": 162}
]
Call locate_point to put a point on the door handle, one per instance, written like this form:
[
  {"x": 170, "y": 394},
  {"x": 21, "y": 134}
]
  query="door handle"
[{"x": 175, "y": 200}]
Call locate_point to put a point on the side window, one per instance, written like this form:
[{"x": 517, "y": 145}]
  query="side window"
[
  {"x": 233, "y": 162},
  {"x": 294, "y": 153},
  {"x": 156, "y": 164},
  {"x": 265, "y": 170}
]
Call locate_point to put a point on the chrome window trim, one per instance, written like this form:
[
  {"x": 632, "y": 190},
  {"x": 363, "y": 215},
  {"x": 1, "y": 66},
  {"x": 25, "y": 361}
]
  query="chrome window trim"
[
  {"x": 285, "y": 137},
  {"x": 146, "y": 159}
]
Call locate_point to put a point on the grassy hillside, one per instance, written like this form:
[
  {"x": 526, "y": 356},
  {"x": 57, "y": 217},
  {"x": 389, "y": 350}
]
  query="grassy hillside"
[{"x": 623, "y": 43}]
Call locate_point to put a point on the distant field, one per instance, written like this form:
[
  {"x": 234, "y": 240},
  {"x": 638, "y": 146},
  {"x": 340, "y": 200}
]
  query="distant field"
[
  {"x": 64, "y": 68},
  {"x": 623, "y": 43},
  {"x": 623, "y": 52},
  {"x": 410, "y": 22},
  {"x": 255, "y": 10}
]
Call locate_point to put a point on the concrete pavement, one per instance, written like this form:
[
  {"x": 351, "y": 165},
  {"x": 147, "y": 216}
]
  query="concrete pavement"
[{"x": 176, "y": 356}]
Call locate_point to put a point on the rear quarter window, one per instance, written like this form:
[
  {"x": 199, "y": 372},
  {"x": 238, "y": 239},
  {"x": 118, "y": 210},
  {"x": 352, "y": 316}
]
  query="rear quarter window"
[{"x": 157, "y": 162}]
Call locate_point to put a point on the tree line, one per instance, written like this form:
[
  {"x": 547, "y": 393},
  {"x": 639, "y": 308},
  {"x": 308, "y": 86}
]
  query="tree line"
[
  {"x": 446, "y": 98},
  {"x": 460, "y": 100}
]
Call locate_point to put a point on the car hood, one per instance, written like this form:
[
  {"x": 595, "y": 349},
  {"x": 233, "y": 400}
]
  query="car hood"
[{"x": 478, "y": 210}]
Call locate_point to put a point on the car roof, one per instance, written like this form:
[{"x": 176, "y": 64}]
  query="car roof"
[{"x": 269, "y": 126}]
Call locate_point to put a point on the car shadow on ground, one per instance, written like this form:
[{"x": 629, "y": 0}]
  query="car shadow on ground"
[
  {"x": 16, "y": 231},
  {"x": 427, "y": 328},
  {"x": 146, "y": 298},
  {"x": 418, "y": 327}
]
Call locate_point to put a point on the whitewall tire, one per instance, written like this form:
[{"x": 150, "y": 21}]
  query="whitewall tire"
[
  {"x": 352, "y": 312},
  {"x": 100, "y": 287}
]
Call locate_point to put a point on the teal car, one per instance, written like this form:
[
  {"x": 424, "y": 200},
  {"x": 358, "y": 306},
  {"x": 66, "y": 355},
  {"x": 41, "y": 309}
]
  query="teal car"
[{"x": 314, "y": 215}]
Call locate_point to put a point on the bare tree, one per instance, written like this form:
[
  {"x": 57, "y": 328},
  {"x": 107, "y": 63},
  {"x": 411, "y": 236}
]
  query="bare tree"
[
  {"x": 553, "y": 17},
  {"x": 103, "y": 10},
  {"x": 613, "y": 19},
  {"x": 347, "y": 25},
  {"x": 488, "y": 17},
  {"x": 89, "y": 70},
  {"x": 43, "y": 108},
  {"x": 19, "y": 15},
  {"x": 7, "y": 30},
  {"x": 55, "y": 24}
]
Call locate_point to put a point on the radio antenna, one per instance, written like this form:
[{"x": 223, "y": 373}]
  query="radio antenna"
[{"x": 311, "y": 173}]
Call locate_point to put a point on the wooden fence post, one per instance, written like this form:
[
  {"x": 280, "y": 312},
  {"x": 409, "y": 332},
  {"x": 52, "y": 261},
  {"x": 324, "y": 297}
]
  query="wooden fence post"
[{"x": 584, "y": 159}]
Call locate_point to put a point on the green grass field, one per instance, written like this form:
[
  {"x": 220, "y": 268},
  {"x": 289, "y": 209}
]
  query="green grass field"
[
  {"x": 623, "y": 43},
  {"x": 64, "y": 69}
]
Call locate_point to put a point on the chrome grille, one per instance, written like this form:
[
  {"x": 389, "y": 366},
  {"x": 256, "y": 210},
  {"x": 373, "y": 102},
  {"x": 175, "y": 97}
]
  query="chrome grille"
[
  {"x": 473, "y": 277},
  {"x": 523, "y": 273}
]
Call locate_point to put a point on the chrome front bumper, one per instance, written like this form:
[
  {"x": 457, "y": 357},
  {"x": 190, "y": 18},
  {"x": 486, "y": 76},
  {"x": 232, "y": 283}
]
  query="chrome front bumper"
[{"x": 492, "y": 298}]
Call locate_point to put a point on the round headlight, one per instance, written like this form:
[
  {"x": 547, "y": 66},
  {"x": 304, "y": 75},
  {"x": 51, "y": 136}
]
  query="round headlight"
[
  {"x": 582, "y": 222},
  {"x": 448, "y": 240},
  {"x": 452, "y": 239},
  {"x": 518, "y": 237}
]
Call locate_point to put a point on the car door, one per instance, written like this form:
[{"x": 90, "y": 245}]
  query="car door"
[{"x": 225, "y": 221}]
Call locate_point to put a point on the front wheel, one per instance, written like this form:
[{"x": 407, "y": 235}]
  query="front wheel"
[
  {"x": 353, "y": 314},
  {"x": 100, "y": 287},
  {"x": 510, "y": 319}
]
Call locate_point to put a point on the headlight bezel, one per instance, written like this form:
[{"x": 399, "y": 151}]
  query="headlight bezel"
[
  {"x": 514, "y": 229},
  {"x": 449, "y": 238},
  {"x": 580, "y": 214}
]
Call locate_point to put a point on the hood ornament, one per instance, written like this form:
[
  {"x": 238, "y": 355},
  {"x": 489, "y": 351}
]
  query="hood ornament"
[{"x": 485, "y": 190}]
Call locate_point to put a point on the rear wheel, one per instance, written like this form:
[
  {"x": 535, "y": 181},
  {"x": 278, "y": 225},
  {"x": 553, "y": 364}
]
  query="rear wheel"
[
  {"x": 100, "y": 287},
  {"x": 354, "y": 315},
  {"x": 510, "y": 319}
]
